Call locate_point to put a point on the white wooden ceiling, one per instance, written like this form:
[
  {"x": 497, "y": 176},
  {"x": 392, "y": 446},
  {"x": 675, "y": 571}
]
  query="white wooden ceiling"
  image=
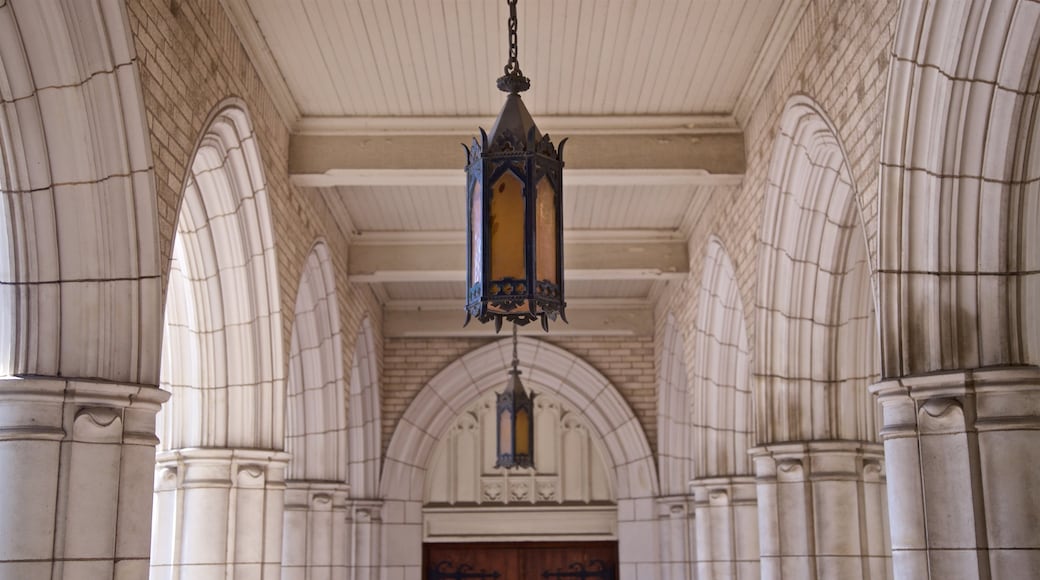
[
  {"x": 609, "y": 65},
  {"x": 585, "y": 57}
]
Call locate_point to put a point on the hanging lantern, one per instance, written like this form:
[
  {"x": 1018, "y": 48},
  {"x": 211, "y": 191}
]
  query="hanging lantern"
[
  {"x": 515, "y": 419},
  {"x": 514, "y": 213}
]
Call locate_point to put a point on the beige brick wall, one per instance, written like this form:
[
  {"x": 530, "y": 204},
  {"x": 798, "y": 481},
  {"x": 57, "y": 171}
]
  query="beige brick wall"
[
  {"x": 190, "y": 61},
  {"x": 409, "y": 363}
]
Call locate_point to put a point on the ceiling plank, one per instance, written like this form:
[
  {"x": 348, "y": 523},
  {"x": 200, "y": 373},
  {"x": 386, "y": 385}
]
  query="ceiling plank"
[{"x": 437, "y": 260}]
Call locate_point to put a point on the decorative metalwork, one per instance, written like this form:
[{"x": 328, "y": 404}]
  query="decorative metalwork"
[
  {"x": 442, "y": 571},
  {"x": 596, "y": 569},
  {"x": 515, "y": 413},
  {"x": 515, "y": 213}
]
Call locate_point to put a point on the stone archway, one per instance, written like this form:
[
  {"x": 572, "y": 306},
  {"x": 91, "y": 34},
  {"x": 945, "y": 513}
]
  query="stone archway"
[{"x": 568, "y": 377}]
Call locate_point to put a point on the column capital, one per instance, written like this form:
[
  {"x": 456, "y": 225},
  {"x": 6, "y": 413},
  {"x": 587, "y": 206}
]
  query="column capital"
[
  {"x": 986, "y": 399},
  {"x": 816, "y": 460}
]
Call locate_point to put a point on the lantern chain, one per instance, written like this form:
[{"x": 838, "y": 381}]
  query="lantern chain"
[
  {"x": 516, "y": 359},
  {"x": 514, "y": 80}
]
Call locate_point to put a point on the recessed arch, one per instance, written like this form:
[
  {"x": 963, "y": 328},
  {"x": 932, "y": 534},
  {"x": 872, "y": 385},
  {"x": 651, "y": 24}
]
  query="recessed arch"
[
  {"x": 75, "y": 160},
  {"x": 815, "y": 306},
  {"x": 674, "y": 431},
  {"x": 453, "y": 389},
  {"x": 316, "y": 407},
  {"x": 222, "y": 304},
  {"x": 723, "y": 415},
  {"x": 959, "y": 231},
  {"x": 365, "y": 422}
]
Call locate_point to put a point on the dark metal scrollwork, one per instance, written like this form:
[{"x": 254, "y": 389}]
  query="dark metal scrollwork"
[
  {"x": 442, "y": 571},
  {"x": 595, "y": 569}
]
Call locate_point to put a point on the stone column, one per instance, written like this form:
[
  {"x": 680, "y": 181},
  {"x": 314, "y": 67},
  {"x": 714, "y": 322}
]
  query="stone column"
[
  {"x": 366, "y": 530},
  {"x": 315, "y": 541},
  {"x": 726, "y": 514},
  {"x": 218, "y": 514},
  {"x": 76, "y": 463},
  {"x": 821, "y": 511},
  {"x": 963, "y": 455},
  {"x": 675, "y": 514}
]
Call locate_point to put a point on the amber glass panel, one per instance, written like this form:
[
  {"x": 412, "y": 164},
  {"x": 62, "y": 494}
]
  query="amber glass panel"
[
  {"x": 523, "y": 426},
  {"x": 505, "y": 433},
  {"x": 545, "y": 214},
  {"x": 476, "y": 246},
  {"x": 507, "y": 228}
]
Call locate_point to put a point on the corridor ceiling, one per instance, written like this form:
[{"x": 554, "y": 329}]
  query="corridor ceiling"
[{"x": 380, "y": 93}]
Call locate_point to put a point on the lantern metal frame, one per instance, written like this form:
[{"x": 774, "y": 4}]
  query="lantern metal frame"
[
  {"x": 513, "y": 399},
  {"x": 517, "y": 147}
]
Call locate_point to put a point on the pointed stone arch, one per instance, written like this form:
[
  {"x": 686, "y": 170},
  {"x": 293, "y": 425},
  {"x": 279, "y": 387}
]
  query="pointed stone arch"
[
  {"x": 222, "y": 306},
  {"x": 553, "y": 369},
  {"x": 959, "y": 231},
  {"x": 674, "y": 431},
  {"x": 365, "y": 422},
  {"x": 815, "y": 339},
  {"x": 316, "y": 407},
  {"x": 75, "y": 160},
  {"x": 723, "y": 410}
]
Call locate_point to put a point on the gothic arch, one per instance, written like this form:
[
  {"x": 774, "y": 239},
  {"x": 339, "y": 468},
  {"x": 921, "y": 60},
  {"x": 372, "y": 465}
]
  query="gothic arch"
[
  {"x": 74, "y": 159},
  {"x": 316, "y": 409},
  {"x": 674, "y": 436},
  {"x": 365, "y": 424},
  {"x": 959, "y": 242},
  {"x": 222, "y": 355},
  {"x": 723, "y": 420},
  {"x": 815, "y": 342},
  {"x": 554, "y": 369}
]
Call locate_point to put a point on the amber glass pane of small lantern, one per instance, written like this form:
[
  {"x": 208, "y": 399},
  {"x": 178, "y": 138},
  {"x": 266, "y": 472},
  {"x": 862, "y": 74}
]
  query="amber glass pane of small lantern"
[
  {"x": 505, "y": 433},
  {"x": 507, "y": 228},
  {"x": 477, "y": 247},
  {"x": 523, "y": 426},
  {"x": 545, "y": 214}
]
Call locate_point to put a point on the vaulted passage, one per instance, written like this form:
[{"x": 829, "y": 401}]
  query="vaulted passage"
[{"x": 799, "y": 246}]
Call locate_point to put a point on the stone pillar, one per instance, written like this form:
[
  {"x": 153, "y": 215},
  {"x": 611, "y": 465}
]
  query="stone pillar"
[
  {"x": 218, "y": 514},
  {"x": 821, "y": 511},
  {"x": 963, "y": 455},
  {"x": 366, "y": 529},
  {"x": 726, "y": 514},
  {"x": 316, "y": 540},
  {"x": 675, "y": 514},
  {"x": 76, "y": 463}
]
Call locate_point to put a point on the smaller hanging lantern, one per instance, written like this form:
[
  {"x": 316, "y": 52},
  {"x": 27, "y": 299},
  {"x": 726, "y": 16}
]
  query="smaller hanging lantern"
[
  {"x": 515, "y": 412},
  {"x": 514, "y": 213}
]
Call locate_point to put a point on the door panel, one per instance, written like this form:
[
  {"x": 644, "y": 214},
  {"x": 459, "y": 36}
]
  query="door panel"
[{"x": 521, "y": 561}]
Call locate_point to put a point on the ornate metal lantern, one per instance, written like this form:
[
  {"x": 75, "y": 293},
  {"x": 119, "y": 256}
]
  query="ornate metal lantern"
[
  {"x": 515, "y": 213},
  {"x": 515, "y": 418}
]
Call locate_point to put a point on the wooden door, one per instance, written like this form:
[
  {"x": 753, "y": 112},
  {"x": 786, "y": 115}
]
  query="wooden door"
[{"x": 521, "y": 561}]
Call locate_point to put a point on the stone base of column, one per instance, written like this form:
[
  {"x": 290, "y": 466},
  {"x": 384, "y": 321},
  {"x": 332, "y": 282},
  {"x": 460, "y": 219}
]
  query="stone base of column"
[
  {"x": 365, "y": 518},
  {"x": 218, "y": 514},
  {"x": 963, "y": 455},
  {"x": 78, "y": 458},
  {"x": 316, "y": 538},
  {"x": 726, "y": 516},
  {"x": 675, "y": 518},
  {"x": 822, "y": 511}
]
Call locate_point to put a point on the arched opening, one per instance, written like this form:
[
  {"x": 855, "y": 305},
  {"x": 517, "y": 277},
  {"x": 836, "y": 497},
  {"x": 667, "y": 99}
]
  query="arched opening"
[
  {"x": 674, "y": 431},
  {"x": 365, "y": 416},
  {"x": 816, "y": 353},
  {"x": 429, "y": 419},
  {"x": 220, "y": 471}
]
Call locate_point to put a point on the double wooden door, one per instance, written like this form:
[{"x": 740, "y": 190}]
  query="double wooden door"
[{"x": 521, "y": 561}]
